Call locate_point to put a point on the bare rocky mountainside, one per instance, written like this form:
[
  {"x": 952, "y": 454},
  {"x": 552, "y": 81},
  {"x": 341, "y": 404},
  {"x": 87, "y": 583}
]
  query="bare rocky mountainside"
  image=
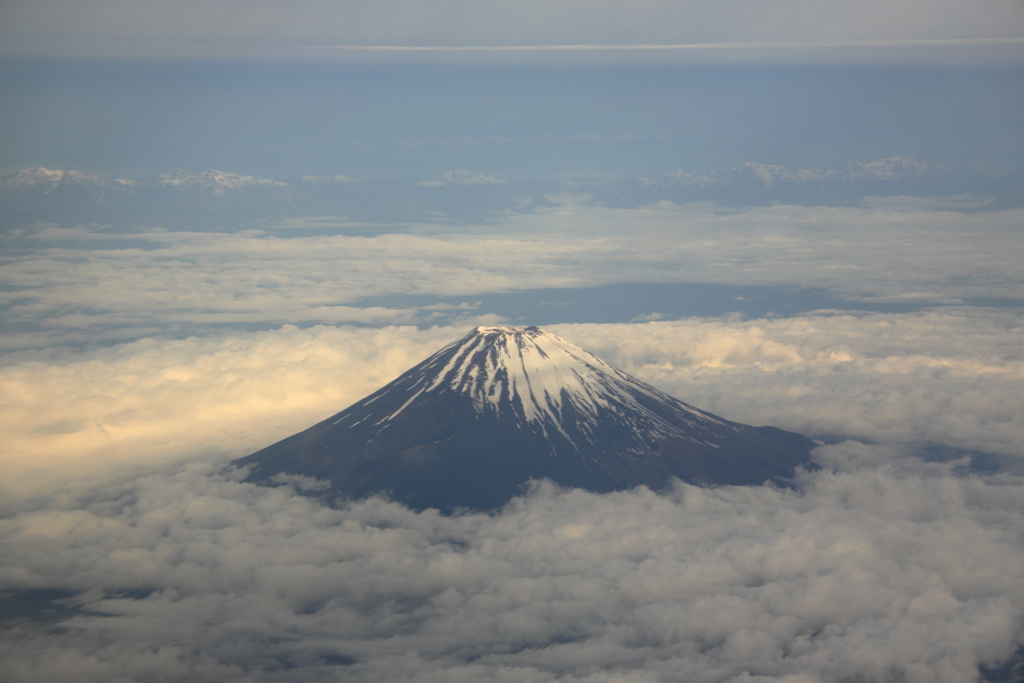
[{"x": 469, "y": 426}]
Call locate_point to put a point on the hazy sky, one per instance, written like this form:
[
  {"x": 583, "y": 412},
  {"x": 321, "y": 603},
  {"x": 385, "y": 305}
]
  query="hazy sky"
[
  {"x": 519, "y": 121},
  {"x": 274, "y": 29},
  {"x": 137, "y": 360},
  {"x": 130, "y": 86}
]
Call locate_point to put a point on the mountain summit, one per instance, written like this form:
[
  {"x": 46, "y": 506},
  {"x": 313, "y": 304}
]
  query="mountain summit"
[{"x": 470, "y": 425}]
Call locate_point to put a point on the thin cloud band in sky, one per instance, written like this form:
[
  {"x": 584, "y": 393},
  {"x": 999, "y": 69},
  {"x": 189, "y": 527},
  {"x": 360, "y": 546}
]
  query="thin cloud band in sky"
[
  {"x": 591, "y": 47},
  {"x": 899, "y": 42}
]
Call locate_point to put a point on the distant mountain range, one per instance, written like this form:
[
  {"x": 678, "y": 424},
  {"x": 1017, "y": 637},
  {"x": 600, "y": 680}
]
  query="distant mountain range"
[
  {"x": 210, "y": 199},
  {"x": 847, "y": 185},
  {"x": 469, "y": 426}
]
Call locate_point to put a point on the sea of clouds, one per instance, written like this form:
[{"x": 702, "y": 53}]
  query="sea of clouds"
[
  {"x": 866, "y": 572},
  {"x": 85, "y": 284},
  {"x": 948, "y": 376},
  {"x": 901, "y": 559}
]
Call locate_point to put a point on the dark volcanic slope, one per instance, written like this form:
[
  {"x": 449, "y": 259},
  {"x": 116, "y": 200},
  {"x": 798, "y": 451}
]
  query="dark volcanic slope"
[{"x": 471, "y": 424}]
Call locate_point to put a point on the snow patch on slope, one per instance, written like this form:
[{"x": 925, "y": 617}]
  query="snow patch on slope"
[{"x": 544, "y": 381}]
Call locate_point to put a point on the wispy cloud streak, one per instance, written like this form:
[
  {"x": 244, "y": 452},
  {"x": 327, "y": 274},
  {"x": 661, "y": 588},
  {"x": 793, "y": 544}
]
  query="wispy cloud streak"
[{"x": 764, "y": 45}]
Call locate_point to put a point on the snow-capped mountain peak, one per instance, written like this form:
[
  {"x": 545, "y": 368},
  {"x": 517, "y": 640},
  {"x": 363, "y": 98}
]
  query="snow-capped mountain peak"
[{"x": 539, "y": 379}]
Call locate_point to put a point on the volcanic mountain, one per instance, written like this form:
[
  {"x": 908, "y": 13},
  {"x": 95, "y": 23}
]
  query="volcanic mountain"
[{"x": 469, "y": 426}]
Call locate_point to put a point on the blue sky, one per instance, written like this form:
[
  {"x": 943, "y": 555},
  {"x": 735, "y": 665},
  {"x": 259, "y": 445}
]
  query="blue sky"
[
  {"x": 519, "y": 121},
  {"x": 279, "y": 89}
]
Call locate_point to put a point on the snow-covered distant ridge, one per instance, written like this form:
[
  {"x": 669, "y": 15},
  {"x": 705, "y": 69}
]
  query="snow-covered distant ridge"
[
  {"x": 890, "y": 169},
  {"x": 221, "y": 182},
  {"x": 215, "y": 198},
  {"x": 893, "y": 168},
  {"x": 768, "y": 174},
  {"x": 48, "y": 179},
  {"x": 217, "y": 182},
  {"x": 460, "y": 177},
  {"x": 332, "y": 179}
]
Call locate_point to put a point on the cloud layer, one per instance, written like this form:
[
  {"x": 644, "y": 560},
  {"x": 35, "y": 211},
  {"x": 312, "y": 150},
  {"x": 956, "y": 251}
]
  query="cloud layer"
[
  {"x": 866, "y": 574},
  {"x": 940, "y": 377},
  {"x": 949, "y": 377},
  {"x": 153, "y": 563},
  {"x": 137, "y": 406},
  {"x": 78, "y": 284}
]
